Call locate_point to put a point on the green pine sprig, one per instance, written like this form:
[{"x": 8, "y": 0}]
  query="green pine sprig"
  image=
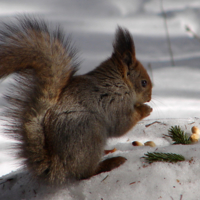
[
  {"x": 178, "y": 135},
  {"x": 163, "y": 157}
]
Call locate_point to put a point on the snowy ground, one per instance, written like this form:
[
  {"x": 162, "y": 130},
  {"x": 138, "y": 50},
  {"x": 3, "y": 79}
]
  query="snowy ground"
[{"x": 176, "y": 95}]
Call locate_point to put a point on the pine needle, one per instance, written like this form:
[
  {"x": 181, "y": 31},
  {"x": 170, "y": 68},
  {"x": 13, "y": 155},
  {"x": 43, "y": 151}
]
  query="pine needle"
[
  {"x": 163, "y": 157},
  {"x": 178, "y": 135}
]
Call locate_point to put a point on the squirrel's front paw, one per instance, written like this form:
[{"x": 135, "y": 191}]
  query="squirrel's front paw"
[{"x": 144, "y": 110}]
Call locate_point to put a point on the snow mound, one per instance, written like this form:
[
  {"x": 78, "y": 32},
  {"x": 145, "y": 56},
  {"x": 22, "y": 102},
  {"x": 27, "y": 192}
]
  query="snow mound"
[{"x": 136, "y": 179}]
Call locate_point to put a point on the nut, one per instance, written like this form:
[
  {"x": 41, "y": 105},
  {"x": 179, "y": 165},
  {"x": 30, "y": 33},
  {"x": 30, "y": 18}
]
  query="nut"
[
  {"x": 150, "y": 143},
  {"x": 137, "y": 143},
  {"x": 194, "y": 138},
  {"x": 195, "y": 130}
]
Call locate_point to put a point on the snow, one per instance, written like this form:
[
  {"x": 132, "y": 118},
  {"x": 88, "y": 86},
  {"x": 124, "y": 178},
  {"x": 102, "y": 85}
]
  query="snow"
[
  {"x": 176, "y": 97},
  {"x": 136, "y": 179}
]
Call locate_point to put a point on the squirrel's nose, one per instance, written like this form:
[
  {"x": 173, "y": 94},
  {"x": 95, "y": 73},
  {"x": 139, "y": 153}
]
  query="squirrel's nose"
[{"x": 149, "y": 98}]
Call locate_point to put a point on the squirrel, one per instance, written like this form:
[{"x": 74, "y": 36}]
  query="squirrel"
[{"x": 62, "y": 120}]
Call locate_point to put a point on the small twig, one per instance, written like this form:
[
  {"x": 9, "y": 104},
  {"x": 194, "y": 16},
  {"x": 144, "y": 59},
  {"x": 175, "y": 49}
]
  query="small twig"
[
  {"x": 178, "y": 135},
  {"x": 151, "y": 157},
  {"x": 105, "y": 178},
  {"x": 156, "y": 122},
  {"x": 191, "y": 123},
  {"x": 166, "y": 135},
  {"x": 193, "y": 33},
  {"x": 167, "y": 33},
  {"x": 134, "y": 182}
]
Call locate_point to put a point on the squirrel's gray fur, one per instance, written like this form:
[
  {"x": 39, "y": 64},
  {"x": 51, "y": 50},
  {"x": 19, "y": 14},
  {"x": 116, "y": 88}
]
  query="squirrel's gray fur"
[{"x": 63, "y": 120}]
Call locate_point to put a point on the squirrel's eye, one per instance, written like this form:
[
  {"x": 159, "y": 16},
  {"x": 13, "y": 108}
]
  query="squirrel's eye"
[{"x": 144, "y": 83}]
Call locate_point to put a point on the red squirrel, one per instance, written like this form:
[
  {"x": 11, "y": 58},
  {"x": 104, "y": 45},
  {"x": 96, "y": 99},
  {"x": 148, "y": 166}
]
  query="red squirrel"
[{"x": 61, "y": 119}]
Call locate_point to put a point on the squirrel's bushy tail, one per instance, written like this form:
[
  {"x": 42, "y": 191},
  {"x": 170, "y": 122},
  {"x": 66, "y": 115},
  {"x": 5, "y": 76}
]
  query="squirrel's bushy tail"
[{"x": 44, "y": 61}]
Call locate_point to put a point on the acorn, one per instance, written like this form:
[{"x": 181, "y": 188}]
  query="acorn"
[
  {"x": 150, "y": 143},
  {"x": 137, "y": 143},
  {"x": 195, "y": 130}
]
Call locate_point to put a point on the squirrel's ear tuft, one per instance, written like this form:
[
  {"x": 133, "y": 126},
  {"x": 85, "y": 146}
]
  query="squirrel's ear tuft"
[{"x": 124, "y": 46}]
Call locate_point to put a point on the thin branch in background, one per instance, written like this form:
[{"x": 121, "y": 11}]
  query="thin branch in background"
[
  {"x": 188, "y": 29},
  {"x": 167, "y": 33}
]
